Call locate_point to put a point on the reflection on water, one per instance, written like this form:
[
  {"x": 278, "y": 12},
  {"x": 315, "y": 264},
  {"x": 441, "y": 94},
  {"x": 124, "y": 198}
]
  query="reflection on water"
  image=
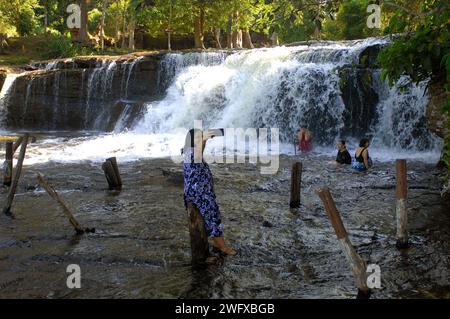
[{"x": 141, "y": 246}]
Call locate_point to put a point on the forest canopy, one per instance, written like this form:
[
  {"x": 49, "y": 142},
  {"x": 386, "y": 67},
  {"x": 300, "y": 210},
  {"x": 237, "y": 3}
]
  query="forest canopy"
[{"x": 282, "y": 20}]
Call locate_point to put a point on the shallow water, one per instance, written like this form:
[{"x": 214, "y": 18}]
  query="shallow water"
[{"x": 141, "y": 245}]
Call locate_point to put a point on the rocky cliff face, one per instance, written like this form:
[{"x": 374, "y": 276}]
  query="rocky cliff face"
[
  {"x": 72, "y": 94},
  {"x": 2, "y": 78},
  {"x": 438, "y": 122}
]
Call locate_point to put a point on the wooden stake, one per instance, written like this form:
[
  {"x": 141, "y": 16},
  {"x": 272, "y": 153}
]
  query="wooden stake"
[
  {"x": 112, "y": 174},
  {"x": 8, "y": 171},
  {"x": 113, "y": 161},
  {"x": 53, "y": 194},
  {"x": 17, "y": 144},
  {"x": 198, "y": 235},
  {"x": 296, "y": 180},
  {"x": 16, "y": 177},
  {"x": 400, "y": 207},
  {"x": 357, "y": 264}
]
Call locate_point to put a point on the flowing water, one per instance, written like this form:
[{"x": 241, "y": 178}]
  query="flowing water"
[{"x": 141, "y": 244}]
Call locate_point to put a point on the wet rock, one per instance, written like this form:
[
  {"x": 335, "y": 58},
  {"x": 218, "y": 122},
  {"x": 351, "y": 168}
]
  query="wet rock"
[
  {"x": 2, "y": 78},
  {"x": 368, "y": 57},
  {"x": 437, "y": 120},
  {"x": 360, "y": 99},
  {"x": 31, "y": 188},
  {"x": 173, "y": 176},
  {"x": 71, "y": 94},
  {"x": 267, "y": 224}
]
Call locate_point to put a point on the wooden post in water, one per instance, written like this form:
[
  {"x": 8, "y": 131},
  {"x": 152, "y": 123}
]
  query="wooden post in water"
[
  {"x": 53, "y": 194},
  {"x": 400, "y": 207},
  {"x": 198, "y": 235},
  {"x": 17, "y": 144},
  {"x": 357, "y": 264},
  {"x": 112, "y": 174},
  {"x": 16, "y": 176},
  {"x": 296, "y": 180},
  {"x": 113, "y": 161},
  {"x": 8, "y": 168}
]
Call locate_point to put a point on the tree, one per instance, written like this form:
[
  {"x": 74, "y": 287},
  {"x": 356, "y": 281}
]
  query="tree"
[
  {"x": 102, "y": 25},
  {"x": 350, "y": 22},
  {"x": 18, "y": 15},
  {"x": 83, "y": 32}
]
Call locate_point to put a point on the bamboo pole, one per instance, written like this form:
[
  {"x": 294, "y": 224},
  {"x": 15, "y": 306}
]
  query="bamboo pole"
[
  {"x": 357, "y": 264},
  {"x": 296, "y": 180},
  {"x": 198, "y": 235},
  {"x": 16, "y": 177},
  {"x": 400, "y": 207},
  {"x": 53, "y": 194}
]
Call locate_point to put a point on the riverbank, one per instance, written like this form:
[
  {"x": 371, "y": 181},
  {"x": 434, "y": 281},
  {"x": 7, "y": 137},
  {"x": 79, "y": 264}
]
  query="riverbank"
[{"x": 141, "y": 245}]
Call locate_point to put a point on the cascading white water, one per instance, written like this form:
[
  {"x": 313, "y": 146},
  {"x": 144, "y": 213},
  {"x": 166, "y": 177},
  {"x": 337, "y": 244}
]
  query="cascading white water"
[
  {"x": 5, "y": 89},
  {"x": 259, "y": 88},
  {"x": 282, "y": 87}
]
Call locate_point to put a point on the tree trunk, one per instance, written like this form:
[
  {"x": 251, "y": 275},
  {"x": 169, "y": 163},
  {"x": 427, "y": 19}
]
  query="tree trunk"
[
  {"x": 198, "y": 29},
  {"x": 116, "y": 30},
  {"x": 131, "y": 34},
  {"x": 217, "y": 37},
  {"x": 274, "y": 39},
  {"x": 229, "y": 31},
  {"x": 236, "y": 35},
  {"x": 102, "y": 25},
  {"x": 247, "y": 40},
  {"x": 83, "y": 33},
  {"x": 45, "y": 19},
  {"x": 124, "y": 25}
]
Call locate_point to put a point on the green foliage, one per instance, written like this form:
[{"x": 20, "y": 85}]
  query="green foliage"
[
  {"x": 94, "y": 17},
  {"x": 56, "y": 47},
  {"x": 18, "y": 15},
  {"x": 424, "y": 51},
  {"x": 27, "y": 23},
  {"x": 350, "y": 22}
]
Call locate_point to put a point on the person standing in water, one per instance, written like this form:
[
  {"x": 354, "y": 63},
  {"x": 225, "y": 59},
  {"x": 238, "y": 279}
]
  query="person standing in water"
[
  {"x": 199, "y": 187},
  {"x": 304, "y": 140},
  {"x": 362, "y": 160},
  {"x": 343, "y": 156}
]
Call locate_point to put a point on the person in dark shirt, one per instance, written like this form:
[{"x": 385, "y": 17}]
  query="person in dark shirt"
[{"x": 343, "y": 156}]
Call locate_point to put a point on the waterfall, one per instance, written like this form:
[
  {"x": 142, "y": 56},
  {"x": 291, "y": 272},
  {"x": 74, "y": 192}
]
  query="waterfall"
[
  {"x": 4, "y": 92},
  {"x": 285, "y": 88},
  {"x": 330, "y": 87},
  {"x": 129, "y": 73},
  {"x": 173, "y": 63}
]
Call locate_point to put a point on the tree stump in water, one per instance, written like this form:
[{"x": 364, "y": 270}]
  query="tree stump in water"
[{"x": 198, "y": 235}]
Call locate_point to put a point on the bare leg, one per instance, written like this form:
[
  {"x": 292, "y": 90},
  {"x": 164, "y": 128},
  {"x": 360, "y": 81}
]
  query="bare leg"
[{"x": 219, "y": 243}]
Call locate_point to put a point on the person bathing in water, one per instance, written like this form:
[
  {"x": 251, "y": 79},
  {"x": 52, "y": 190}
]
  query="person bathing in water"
[
  {"x": 343, "y": 156},
  {"x": 199, "y": 188},
  {"x": 362, "y": 160},
  {"x": 304, "y": 140}
]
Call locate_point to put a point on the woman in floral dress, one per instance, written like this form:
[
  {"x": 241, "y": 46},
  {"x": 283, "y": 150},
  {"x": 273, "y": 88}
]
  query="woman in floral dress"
[{"x": 199, "y": 187}]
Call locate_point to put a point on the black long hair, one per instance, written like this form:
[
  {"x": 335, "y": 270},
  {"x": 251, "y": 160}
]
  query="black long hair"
[
  {"x": 363, "y": 142},
  {"x": 189, "y": 139}
]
